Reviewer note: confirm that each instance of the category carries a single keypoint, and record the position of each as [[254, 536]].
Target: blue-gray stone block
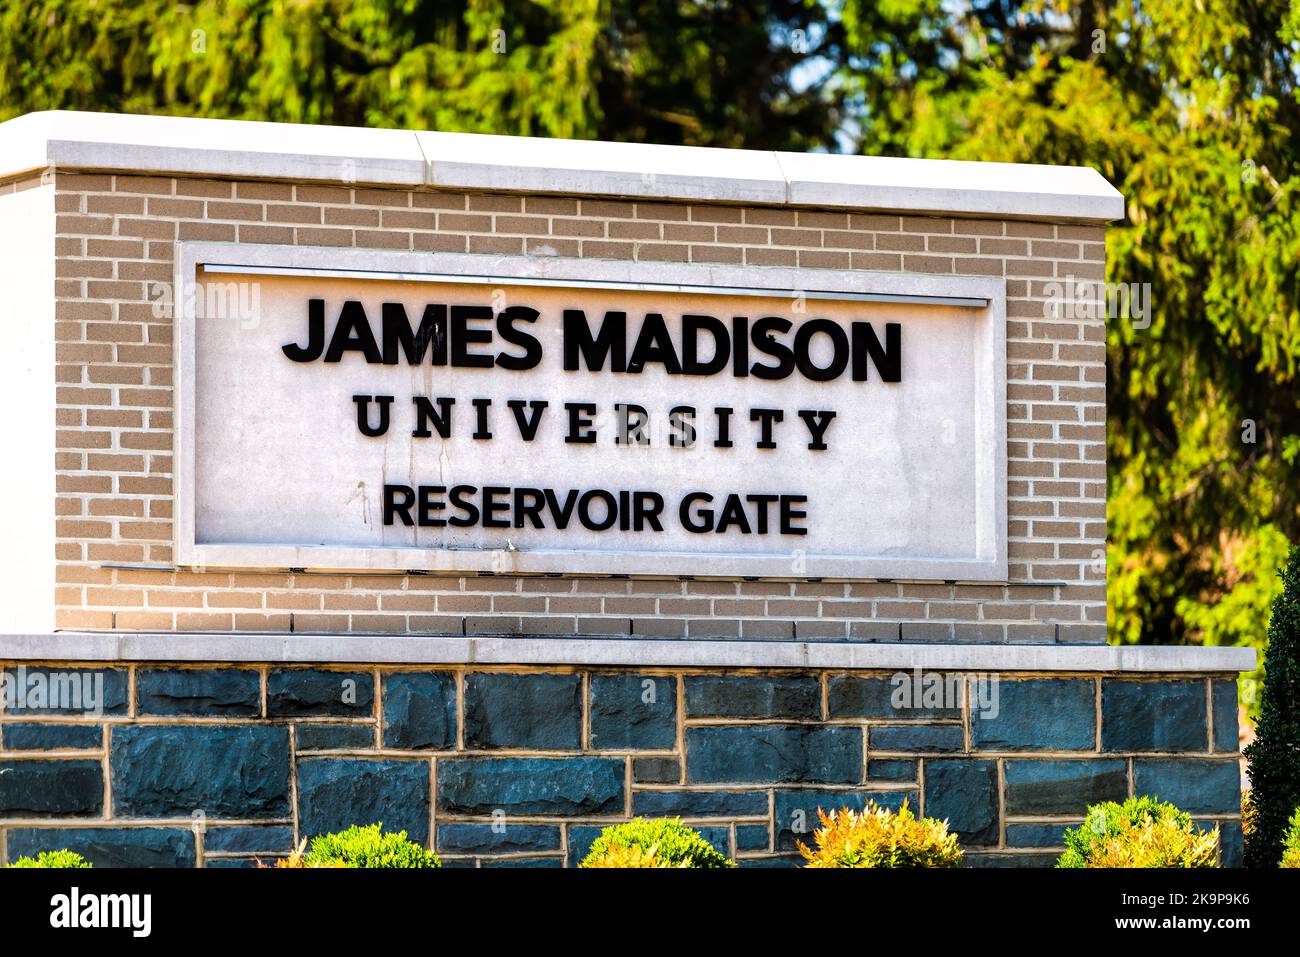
[[656, 770], [777, 754], [752, 696], [507, 838], [1037, 835], [537, 711], [334, 737], [752, 837], [905, 696], [560, 787], [719, 836], [633, 712], [109, 846], [225, 771], [51, 788], [1039, 714], [1153, 715], [699, 803], [1197, 786], [205, 692], [581, 837], [64, 691], [891, 770], [782, 861], [796, 811], [336, 793], [420, 710], [314, 692], [1064, 786], [1231, 849], [916, 738], [965, 794], [271, 839], [228, 863], [52, 737], [1226, 738]]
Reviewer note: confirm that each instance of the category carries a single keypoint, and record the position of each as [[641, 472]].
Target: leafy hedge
[[877, 837], [1141, 832], [63, 859], [653, 842], [361, 847]]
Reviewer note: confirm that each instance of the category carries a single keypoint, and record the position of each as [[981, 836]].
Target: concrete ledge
[[634, 652], [349, 155]]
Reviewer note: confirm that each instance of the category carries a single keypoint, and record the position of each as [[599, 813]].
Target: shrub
[[1291, 843], [1141, 832], [877, 837], [53, 859], [653, 842], [361, 847], [1274, 757]]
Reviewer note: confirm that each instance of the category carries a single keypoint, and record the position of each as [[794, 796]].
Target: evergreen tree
[[1274, 757]]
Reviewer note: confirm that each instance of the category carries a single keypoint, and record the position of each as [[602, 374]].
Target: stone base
[[219, 764]]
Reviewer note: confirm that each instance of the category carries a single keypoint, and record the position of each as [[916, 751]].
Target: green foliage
[[653, 842], [1273, 759], [717, 74], [877, 837], [362, 847], [61, 859], [1141, 832], [1199, 127], [1291, 842], [1191, 110]]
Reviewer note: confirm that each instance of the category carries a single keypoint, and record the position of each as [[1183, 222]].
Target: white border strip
[[988, 565], [228, 269], [616, 651], [190, 146]]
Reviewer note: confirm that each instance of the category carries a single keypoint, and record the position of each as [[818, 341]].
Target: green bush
[[877, 837], [1291, 843], [653, 842], [1141, 832], [53, 859], [361, 847], [1273, 760]]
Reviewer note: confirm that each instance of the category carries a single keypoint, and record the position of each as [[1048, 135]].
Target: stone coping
[[633, 652], [471, 161]]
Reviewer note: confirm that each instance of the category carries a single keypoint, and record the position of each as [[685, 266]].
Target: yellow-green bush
[[361, 847], [653, 842], [1291, 842], [52, 859], [878, 837], [1141, 832]]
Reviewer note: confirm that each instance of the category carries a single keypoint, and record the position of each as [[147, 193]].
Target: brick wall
[[220, 765], [116, 235]]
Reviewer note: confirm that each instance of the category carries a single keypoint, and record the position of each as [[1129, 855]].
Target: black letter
[[507, 331], [424, 411], [353, 334], [401, 509], [527, 427], [611, 343], [888, 361], [363, 413], [315, 334], [818, 422]]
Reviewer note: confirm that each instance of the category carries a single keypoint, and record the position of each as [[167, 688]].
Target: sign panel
[[490, 414]]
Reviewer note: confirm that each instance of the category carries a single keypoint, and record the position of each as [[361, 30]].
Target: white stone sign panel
[[352, 410]]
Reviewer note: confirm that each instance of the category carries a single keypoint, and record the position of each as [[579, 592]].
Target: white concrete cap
[[335, 154], [631, 652]]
